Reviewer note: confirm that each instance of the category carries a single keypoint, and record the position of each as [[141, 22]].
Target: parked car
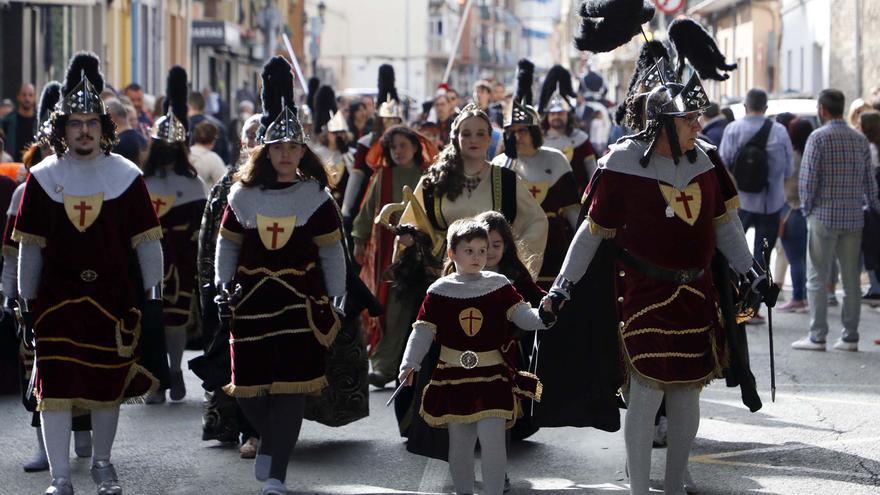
[[802, 107]]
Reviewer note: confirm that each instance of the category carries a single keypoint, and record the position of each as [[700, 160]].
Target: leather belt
[[470, 359], [680, 277]]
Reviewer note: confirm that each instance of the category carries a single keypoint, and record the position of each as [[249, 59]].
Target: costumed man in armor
[[462, 184], [89, 250], [280, 265], [38, 149], [653, 218], [557, 106], [222, 419], [331, 147], [544, 171], [390, 113], [178, 196], [406, 156]]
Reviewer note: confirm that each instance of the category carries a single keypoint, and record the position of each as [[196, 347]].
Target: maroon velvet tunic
[[283, 322], [479, 324], [180, 231], [671, 333], [87, 321]]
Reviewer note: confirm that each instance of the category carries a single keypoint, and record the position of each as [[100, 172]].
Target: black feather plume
[[696, 45], [277, 84], [325, 107], [651, 53], [176, 93], [83, 61], [386, 85], [558, 78], [608, 24], [525, 76], [48, 99], [314, 84]]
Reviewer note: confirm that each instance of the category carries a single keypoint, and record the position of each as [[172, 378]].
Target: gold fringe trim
[[25, 238], [466, 418], [49, 404], [721, 219], [248, 391], [476, 379], [257, 338], [122, 350], [327, 239], [732, 204], [511, 309], [665, 332], [77, 344], [668, 300], [683, 355], [231, 236], [327, 339], [10, 251], [180, 228], [599, 230], [152, 234], [539, 389], [428, 324]]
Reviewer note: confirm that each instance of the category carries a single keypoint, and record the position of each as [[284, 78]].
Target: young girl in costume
[[281, 246], [475, 389], [178, 196]]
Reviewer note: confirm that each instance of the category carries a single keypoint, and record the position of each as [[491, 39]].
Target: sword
[[399, 388], [770, 323]]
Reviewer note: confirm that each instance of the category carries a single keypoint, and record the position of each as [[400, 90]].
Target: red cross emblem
[[471, 320]]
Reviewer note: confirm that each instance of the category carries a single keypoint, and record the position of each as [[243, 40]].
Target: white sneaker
[[807, 344], [842, 345]]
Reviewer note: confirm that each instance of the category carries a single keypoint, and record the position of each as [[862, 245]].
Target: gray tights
[[56, 434], [683, 413], [278, 419], [493, 455]]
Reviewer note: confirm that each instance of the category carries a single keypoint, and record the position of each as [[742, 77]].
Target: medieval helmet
[[521, 109], [389, 101], [557, 94], [48, 100], [173, 126], [83, 84], [280, 119]]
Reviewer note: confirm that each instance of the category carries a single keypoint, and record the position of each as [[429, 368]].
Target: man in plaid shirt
[[836, 181]]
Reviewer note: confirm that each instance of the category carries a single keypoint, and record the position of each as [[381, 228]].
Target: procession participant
[[475, 390], [462, 184], [178, 196], [406, 155], [331, 147], [657, 191], [503, 257], [390, 113], [89, 244], [222, 419], [557, 106], [280, 260], [545, 172], [38, 149]]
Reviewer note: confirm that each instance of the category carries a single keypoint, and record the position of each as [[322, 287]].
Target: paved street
[[822, 436]]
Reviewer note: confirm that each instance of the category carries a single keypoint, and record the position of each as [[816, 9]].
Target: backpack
[[750, 167]]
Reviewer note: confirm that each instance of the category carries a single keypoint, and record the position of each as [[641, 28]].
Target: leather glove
[[548, 317], [760, 283], [25, 319]]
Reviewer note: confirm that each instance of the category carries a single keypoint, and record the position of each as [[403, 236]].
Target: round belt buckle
[[88, 275], [469, 360]]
